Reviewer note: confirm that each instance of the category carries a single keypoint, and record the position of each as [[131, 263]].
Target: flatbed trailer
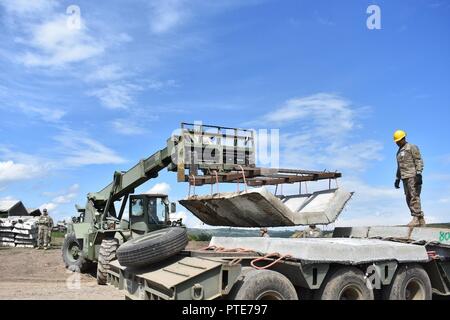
[[361, 263]]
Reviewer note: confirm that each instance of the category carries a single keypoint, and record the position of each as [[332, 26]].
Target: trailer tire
[[106, 254], [262, 285], [152, 247], [346, 283], [73, 255], [411, 282]]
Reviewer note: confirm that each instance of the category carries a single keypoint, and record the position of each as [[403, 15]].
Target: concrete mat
[[326, 250], [260, 208]]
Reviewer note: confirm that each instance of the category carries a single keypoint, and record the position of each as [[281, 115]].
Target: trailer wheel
[[262, 285], [152, 247], [345, 283], [73, 254], [411, 282], [106, 255]]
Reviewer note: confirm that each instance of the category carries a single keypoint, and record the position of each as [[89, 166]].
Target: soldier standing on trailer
[[410, 167]]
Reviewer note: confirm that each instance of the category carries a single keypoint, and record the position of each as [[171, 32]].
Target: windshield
[[156, 211], [137, 207]]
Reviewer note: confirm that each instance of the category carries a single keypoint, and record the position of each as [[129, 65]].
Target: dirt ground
[[38, 274]]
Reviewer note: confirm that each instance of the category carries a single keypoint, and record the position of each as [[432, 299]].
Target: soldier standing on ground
[[410, 167], [263, 233], [312, 232], [45, 223]]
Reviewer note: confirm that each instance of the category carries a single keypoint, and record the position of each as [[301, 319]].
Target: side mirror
[[173, 207]]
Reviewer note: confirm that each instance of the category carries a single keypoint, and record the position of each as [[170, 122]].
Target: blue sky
[[78, 104]]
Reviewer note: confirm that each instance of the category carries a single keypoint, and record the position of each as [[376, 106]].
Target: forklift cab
[[149, 212]]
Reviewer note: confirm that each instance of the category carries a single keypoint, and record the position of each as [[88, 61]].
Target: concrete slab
[[438, 235], [260, 208], [328, 250]]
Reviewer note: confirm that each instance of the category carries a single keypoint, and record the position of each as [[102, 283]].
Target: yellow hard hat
[[399, 135]]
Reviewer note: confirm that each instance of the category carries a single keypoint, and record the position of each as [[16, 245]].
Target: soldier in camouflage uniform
[[410, 168], [312, 232], [263, 232], [45, 223]]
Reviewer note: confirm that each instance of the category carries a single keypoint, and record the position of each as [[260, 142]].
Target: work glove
[[419, 180], [397, 184]]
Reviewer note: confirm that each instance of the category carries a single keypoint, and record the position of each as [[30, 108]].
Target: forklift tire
[[346, 283], [73, 255], [262, 285], [152, 247], [106, 255], [411, 282]]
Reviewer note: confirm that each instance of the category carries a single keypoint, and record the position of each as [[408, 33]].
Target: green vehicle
[[94, 238], [99, 230]]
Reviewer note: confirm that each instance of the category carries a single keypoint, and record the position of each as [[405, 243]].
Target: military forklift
[[91, 240], [95, 235]]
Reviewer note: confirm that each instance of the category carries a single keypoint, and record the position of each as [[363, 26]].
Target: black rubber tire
[[152, 247], [345, 283], [262, 285], [106, 254], [75, 264], [411, 282]]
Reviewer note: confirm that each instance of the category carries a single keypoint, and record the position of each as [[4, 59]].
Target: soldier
[[45, 223], [312, 232], [264, 233], [410, 167]]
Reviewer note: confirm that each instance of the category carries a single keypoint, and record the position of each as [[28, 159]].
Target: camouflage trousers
[[43, 236], [412, 192]]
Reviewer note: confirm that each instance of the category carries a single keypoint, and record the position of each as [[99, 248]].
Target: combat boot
[[422, 221], [414, 222]]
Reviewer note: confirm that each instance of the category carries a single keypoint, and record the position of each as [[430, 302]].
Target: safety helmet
[[399, 135]]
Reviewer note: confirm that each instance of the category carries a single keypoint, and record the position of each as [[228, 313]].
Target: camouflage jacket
[[46, 221], [409, 161], [313, 233]]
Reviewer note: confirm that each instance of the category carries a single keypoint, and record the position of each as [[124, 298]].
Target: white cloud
[[126, 127], [27, 7], [66, 197], [18, 166], [49, 206], [159, 188], [137, 122], [7, 202], [321, 134], [55, 44], [116, 96], [327, 113], [169, 15], [12, 171], [166, 15], [110, 72], [45, 114], [78, 149]]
